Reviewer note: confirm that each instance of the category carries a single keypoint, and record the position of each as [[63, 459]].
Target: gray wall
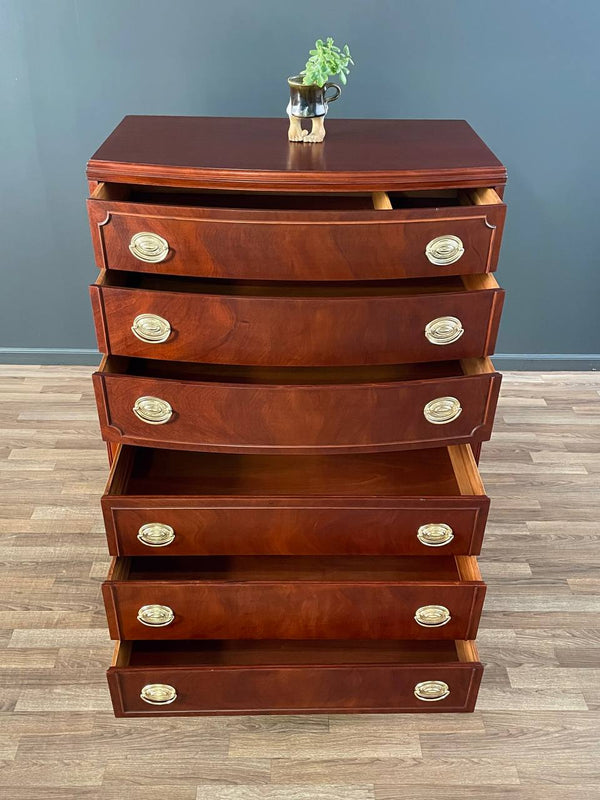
[[524, 73]]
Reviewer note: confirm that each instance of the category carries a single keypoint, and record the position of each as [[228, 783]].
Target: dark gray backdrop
[[524, 73]]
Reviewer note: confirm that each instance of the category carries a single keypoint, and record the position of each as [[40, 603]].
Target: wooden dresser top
[[254, 153]]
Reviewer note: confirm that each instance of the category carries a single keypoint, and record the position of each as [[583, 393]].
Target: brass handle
[[155, 616], [432, 690], [152, 410], [435, 534], [158, 694], [432, 616], [149, 247], [444, 330], [444, 250], [151, 328], [156, 534], [442, 410]]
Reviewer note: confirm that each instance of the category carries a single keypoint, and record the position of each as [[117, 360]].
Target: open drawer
[[293, 597], [172, 502], [254, 236], [300, 410], [300, 324], [290, 677]]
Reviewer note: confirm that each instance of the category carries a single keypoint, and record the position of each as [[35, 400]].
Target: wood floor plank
[[193, 767], [399, 724], [522, 743], [519, 792], [107, 791], [59, 637], [85, 697], [340, 745], [41, 772], [435, 772], [298, 792], [98, 747], [530, 700]]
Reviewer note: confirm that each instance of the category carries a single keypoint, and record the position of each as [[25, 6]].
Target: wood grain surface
[[285, 411], [254, 243], [301, 326], [358, 154], [259, 597], [534, 735]]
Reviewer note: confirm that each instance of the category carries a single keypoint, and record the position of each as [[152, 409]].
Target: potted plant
[[308, 90]]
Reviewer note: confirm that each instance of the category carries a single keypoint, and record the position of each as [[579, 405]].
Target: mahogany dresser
[[295, 389]]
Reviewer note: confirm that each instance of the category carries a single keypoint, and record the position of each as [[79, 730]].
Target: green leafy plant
[[326, 61]]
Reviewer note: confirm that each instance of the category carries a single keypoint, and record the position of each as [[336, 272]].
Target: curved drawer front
[[269, 610], [290, 528], [297, 331], [294, 245], [288, 688], [263, 418]]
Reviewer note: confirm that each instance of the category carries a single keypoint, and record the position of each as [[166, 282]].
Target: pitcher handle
[[338, 92]]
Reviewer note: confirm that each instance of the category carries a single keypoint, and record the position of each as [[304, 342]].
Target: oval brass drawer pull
[[151, 328], [155, 616], [149, 247], [432, 690], [158, 694], [444, 250], [152, 410], [435, 534], [432, 616], [442, 410], [444, 330], [156, 534]]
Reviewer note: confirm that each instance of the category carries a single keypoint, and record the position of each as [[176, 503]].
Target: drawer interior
[[451, 197], [435, 472], [286, 201], [166, 283], [292, 569], [400, 288], [293, 376], [192, 653], [216, 198]]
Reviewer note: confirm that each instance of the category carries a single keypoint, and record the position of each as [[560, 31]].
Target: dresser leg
[[476, 448]]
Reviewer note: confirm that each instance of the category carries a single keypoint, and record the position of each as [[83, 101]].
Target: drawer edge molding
[[100, 171]]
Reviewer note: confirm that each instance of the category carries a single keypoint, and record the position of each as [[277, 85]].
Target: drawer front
[[296, 245], [260, 418], [270, 610], [289, 689], [244, 527], [296, 331]]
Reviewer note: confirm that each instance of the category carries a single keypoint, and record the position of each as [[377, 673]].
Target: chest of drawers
[[295, 387]]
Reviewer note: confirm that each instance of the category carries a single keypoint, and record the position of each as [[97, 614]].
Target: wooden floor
[[536, 731]]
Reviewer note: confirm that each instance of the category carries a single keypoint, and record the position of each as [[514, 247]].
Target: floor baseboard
[[548, 362], [64, 356]]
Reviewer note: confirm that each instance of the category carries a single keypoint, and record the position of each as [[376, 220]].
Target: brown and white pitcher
[[308, 102]]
